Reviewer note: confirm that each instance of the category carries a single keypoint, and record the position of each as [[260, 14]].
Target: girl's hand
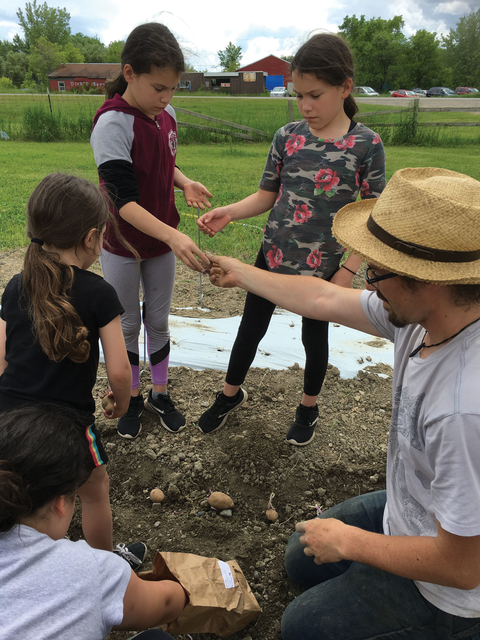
[[112, 411], [214, 221], [196, 195], [187, 251]]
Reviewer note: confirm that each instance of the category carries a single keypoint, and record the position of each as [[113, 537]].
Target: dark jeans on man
[[152, 634], [352, 601]]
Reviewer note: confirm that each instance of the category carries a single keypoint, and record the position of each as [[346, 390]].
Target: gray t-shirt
[[433, 470], [58, 589]]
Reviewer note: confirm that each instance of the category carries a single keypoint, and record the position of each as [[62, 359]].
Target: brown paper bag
[[221, 600]]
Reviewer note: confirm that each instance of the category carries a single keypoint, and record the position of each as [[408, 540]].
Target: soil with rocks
[[248, 459]]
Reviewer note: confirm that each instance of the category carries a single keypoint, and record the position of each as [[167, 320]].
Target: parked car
[[419, 92], [279, 92], [439, 91], [367, 91], [460, 90], [403, 93]]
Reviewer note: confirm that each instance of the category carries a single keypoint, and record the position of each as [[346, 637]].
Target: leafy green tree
[[230, 57], [92, 49], [6, 83], [42, 21], [47, 56], [5, 47], [420, 64], [462, 51], [288, 57], [114, 51], [28, 81], [15, 67], [376, 45]]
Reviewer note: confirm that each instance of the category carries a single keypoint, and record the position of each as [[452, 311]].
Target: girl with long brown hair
[[52, 317]]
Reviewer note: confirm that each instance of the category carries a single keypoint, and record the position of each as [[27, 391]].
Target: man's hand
[[196, 195], [322, 538], [224, 271]]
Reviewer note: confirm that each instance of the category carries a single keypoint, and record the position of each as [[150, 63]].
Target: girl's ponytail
[[47, 283], [350, 106], [61, 211], [117, 85]]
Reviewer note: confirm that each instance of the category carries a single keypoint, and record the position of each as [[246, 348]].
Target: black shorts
[[97, 450]]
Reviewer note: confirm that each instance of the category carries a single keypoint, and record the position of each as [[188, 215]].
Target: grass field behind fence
[[69, 117], [230, 172]]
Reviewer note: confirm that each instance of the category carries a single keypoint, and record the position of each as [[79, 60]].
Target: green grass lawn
[[69, 117], [230, 172]]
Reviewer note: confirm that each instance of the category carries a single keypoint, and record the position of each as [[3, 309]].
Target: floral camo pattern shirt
[[315, 178]]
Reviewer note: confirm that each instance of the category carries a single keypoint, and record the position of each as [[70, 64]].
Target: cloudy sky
[[260, 28]]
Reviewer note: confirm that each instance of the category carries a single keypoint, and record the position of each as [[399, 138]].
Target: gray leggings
[[157, 277]]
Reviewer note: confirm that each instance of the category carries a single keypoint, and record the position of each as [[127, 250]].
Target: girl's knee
[[97, 485]]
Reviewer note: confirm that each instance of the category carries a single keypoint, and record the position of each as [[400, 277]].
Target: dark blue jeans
[[152, 634], [351, 601]]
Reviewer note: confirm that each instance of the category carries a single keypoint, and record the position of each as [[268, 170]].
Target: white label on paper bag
[[227, 575]]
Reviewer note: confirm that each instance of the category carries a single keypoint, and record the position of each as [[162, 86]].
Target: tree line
[[385, 58]]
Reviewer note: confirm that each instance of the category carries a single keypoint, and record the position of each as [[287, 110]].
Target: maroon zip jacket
[[135, 157]]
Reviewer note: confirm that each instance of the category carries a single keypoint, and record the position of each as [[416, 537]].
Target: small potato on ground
[[220, 501], [157, 495], [272, 515]]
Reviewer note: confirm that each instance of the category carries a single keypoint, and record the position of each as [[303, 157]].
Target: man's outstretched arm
[[309, 297]]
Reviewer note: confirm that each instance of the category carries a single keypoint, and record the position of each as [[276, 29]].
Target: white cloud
[[453, 8]]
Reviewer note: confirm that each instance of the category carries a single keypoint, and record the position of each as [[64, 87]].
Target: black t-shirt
[[30, 376]]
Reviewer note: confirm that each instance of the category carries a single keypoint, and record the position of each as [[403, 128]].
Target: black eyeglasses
[[371, 277]]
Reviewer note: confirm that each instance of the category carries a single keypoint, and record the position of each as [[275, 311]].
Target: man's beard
[[392, 316]]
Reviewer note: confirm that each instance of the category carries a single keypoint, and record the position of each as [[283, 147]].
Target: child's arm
[[251, 206], [194, 192], [344, 277], [181, 245], [149, 604], [119, 372], [3, 342]]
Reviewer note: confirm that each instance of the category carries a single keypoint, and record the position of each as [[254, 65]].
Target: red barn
[[69, 76], [272, 65]]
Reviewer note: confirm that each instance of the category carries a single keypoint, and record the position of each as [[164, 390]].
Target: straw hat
[[425, 225]]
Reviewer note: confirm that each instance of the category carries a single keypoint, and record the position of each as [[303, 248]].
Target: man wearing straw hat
[[402, 563]]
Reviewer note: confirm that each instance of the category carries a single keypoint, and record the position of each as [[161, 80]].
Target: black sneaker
[[134, 554], [163, 406], [215, 417], [302, 431], [128, 426]]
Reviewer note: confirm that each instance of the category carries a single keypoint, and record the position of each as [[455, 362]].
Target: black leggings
[[256, 318]]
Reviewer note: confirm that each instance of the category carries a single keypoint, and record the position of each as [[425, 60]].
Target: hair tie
[[344, 267], [37, 240]]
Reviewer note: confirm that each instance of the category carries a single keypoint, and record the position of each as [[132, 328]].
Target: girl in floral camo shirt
[[314, 168]]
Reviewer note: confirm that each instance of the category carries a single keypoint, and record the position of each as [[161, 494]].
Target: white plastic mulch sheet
[[200, 343]]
